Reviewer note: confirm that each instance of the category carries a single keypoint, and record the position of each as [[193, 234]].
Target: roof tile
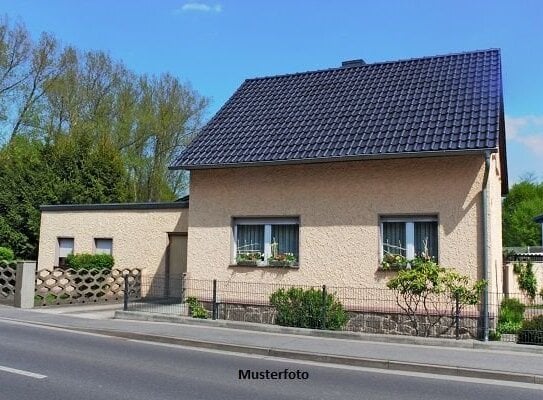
[[441, 103]]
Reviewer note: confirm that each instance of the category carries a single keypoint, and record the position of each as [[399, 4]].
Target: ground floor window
[[409, 236], [266, 241], [65, 246], [103, 246]]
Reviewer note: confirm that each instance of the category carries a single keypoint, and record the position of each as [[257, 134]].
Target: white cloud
[[198, 7], [527, 130]]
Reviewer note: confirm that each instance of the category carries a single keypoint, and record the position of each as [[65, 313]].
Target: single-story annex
[[316, 177]]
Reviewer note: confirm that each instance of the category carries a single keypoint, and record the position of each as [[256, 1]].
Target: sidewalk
[[480, 363]]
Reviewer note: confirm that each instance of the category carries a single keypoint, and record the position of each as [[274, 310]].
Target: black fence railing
[[372, 310]]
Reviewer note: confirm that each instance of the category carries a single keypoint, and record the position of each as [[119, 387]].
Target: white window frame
[[57, 255], [102, 238], [409, 232], [267, 222]]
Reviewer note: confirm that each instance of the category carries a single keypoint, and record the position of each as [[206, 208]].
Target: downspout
[[485, 246]]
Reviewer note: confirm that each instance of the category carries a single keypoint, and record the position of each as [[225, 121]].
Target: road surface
[[46, 363]]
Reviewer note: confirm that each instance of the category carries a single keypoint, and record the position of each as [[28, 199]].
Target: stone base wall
[[386, 323], [401, 324]]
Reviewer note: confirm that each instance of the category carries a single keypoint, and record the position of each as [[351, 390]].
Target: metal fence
[[524, 249], [370, 310]]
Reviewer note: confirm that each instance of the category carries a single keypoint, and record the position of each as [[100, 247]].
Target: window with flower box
[[404, 238], [266, 241]]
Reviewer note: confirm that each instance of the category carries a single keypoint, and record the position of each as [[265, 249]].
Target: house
[[314, 177], [150, 236], [333, 169]]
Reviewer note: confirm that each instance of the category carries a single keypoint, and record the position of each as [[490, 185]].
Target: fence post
[[457, 316], [125, 305], [214, 306], [323, 309], [25, 284], [183, 277]]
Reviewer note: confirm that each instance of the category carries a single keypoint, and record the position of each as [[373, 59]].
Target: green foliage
[[523, 202], [90, 261], [425, 285], [306, 308], [494, 335], [196, 309], [427, 277], [393, 261], [527, 282], [71, 170], [82, 128], [508, 327], [531, 331], [249, 257], [6, 254], [511, 310]]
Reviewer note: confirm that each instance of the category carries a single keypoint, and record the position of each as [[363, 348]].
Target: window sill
[[296, 266]]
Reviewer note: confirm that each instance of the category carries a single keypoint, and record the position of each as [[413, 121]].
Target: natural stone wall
[[360, 321], [400, 324]]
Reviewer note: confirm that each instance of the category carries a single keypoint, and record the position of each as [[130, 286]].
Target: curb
[[366, 337], [307, 356]]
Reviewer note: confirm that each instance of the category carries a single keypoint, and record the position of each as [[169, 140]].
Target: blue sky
[[215, 45]]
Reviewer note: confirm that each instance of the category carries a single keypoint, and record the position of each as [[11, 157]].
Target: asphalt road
[[43, 363]]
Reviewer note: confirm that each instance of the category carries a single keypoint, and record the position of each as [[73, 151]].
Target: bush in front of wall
[[305, 309], [510, 316], [531, 331], [6, 254], [196, 309], [90, 261]]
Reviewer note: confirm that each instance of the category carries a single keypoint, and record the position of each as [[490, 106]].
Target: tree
[[523, 202], [79, 127], [72, 170], [427, 293]]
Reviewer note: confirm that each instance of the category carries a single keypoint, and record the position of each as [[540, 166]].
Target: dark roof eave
[[539, 219], [425, 154], [115, 206]]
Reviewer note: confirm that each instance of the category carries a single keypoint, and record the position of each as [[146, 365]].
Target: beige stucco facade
[[140, 237], [339, 206]]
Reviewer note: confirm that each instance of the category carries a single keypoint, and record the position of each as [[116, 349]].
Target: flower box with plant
[[249, 259], [393, 261], [282, 260]]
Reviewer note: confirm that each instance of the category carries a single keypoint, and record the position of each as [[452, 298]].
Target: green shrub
[[89, 261], [510, 316], [508, 327], [305, 309], [196, 309], [527, 282], [511, 310], [6, 254], [494, 335], [531, 331]]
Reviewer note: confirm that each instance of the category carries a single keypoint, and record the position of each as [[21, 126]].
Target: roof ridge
[[316, 71]]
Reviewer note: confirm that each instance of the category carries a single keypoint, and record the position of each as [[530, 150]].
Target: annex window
[[409, 236], [65, 247], [103, 246], [266, 241]]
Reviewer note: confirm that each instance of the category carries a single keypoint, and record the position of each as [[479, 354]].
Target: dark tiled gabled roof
[[423, 106]]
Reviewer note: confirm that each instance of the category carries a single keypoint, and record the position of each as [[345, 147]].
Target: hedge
[[89, 261], [6, 254]]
